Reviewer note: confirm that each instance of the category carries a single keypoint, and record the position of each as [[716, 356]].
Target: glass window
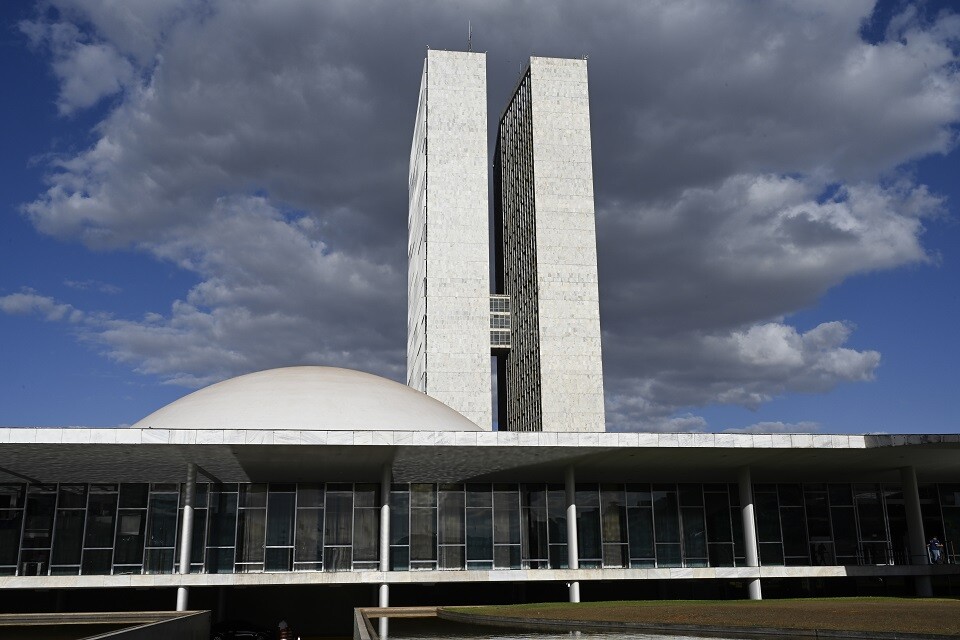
[[506, 514], [717, 510], [365, 529], [558, 556], [72, 496], [721, 555], [790, 495], [844, 533], [223, 521], [337, 559], [640, 525], [614, 513], [666, 520], [309, 495], [161, 561], [694, 533], [479, 534], [691, 495], [794, 533], [506, 556], [253, 495], [400, 517], [220, 560], [451, 557], [132, 496], [129, 547], [478, 495], [588, 532], [949, 495], [10, 524], [39, 521], [101, 512], [556, 516], [68, 537], [768, 517], [870, 512], [400, 558], [309, 539], [278, 559], [423, 534], [11, 496], [250, 535], [668, 555], [366, 495], [97, 561], [338, 523], [771, 553], [423, 495], [162, 520], [638, 495], [34, 562], [280, 519], [451, 517], [840, 494], [197, 542]]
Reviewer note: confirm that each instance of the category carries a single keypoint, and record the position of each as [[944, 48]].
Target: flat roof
[[161, 455]]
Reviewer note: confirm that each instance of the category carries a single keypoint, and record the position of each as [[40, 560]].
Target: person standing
[[935, 550]]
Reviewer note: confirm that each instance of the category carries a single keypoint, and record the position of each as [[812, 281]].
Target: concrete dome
[[308, 398]]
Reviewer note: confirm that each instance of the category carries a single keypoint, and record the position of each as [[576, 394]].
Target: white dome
[[308, 398]]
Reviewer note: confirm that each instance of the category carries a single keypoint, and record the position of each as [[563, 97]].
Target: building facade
[[541, 319], [551, 377], [448, 308]]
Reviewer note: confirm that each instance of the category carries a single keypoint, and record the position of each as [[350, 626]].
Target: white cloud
[[778, 427], [746, 368], [87, 71], [29, 302], [747, 160], [93, 285]]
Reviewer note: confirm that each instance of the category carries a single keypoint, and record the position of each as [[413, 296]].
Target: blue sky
[[199, 189]]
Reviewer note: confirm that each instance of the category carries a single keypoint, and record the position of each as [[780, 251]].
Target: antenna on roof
[[469, 36]]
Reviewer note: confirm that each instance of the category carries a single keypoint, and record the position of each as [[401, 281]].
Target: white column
[[915, 533], [384, 594], [573, 552], [186, 532], [749, 529]]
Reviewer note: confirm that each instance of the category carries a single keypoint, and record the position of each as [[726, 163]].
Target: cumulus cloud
[[87, 71], [29, 302], [747, 159], [758, 364]]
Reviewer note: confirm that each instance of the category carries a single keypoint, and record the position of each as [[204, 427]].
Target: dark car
[[240, 630]]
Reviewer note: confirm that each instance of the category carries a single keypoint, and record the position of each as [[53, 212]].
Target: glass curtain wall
[[98, 529]]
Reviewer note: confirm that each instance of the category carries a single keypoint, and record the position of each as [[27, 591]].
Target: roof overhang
[[152, 455]]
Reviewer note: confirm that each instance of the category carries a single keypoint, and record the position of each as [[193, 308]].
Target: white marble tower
[[448, 336], [542, 321], [551, 379]]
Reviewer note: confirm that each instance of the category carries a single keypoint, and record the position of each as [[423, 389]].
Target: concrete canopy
[[155, 455], [308, 398]]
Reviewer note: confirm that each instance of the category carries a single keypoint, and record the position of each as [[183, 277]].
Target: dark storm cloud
[[739, 150]]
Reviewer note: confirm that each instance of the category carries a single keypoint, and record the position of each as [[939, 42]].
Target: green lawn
[[900, 615]]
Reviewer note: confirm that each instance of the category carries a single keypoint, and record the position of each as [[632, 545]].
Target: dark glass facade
[[98, 529]]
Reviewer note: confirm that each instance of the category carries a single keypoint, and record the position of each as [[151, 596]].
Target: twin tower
[[541, 318]]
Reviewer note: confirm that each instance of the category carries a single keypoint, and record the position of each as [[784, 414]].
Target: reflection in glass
[[309, 539], [68, 538], [100, 522], [162, 520], [250, 532], [280, 520]]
